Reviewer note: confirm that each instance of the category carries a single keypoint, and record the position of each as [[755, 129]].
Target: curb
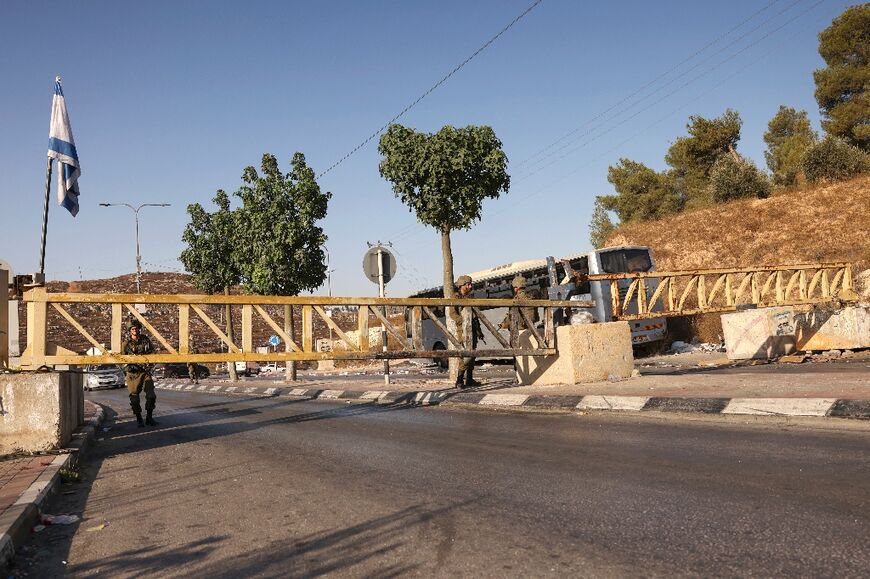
[[818, 407], [17, 521]]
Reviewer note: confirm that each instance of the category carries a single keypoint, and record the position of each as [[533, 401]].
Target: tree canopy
[[642, 193], [444, 177], [280, 249], [735, 178], [691, 158], [600, 226], [788, 137], [210, 256], [842, 87]]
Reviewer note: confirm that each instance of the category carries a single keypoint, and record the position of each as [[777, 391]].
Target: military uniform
[[191, 372], [138, 378], [519, 284], [466, 364]]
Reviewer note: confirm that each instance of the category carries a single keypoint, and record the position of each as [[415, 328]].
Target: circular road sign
[[274, 340], [388, 263]]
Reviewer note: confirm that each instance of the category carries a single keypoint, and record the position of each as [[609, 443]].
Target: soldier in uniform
[[466, 365], [520, 293], [138, 376], [191, 373]]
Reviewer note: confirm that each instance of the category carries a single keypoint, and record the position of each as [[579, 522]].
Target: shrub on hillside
[[834, 160], [734, 178]]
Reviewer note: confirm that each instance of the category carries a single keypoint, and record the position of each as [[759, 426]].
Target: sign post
[[379, 265]]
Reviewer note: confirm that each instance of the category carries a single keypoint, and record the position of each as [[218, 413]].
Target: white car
[[103, 376], [271, 368]]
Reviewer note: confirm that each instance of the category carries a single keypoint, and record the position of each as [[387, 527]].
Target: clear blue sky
[[169, 101]]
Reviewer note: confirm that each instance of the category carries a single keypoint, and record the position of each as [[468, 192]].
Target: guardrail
[[41, 351], [688, 292]]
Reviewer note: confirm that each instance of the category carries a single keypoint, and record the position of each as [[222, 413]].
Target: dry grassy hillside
[[829, 223], [822, 224]]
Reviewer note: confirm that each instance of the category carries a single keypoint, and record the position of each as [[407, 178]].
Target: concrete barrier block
[[586, 353], [760, 333], [824, 329], [39, 412]]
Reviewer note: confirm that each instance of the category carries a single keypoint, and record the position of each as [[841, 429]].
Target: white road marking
[[298, 392], [331, 394], [612, 403], [504, 399], [373, 395], [780, 406]]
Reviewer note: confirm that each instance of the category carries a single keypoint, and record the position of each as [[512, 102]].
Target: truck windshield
[[625, 261]]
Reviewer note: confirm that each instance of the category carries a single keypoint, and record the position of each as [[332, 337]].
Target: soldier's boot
[[469, 379], [149, 420], [460, 382], [136, 405]]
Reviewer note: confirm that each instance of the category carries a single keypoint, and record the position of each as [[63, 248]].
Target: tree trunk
[[447, 257], [288, 329], [231, 366], [449, 292]]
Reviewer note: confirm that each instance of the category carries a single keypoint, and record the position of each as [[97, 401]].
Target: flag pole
[[45, 216]]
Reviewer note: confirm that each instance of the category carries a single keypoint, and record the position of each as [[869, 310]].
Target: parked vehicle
[[271, 368], [163, 371], [496, 283], [247, 368], [103, 376]]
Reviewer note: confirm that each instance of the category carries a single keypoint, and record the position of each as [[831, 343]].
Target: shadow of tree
[[372, 548]]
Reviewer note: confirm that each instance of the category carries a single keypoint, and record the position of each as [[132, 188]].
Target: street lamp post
[[136, 218], [329, 291]]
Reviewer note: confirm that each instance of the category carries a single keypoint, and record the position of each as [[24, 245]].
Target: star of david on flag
[[62, 147]]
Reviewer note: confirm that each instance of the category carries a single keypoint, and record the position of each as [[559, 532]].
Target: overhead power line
[[542, 155], [648, 84], [515, 200], [435, 86], [529, 171]]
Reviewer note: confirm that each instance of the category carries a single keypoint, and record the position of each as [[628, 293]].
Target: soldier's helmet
[[518, 282], [462, 280], [135, 324]]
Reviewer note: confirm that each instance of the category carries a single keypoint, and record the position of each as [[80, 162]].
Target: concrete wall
[[822, 329], [772, 332], [760, 333], [586, 353], [39, 411]]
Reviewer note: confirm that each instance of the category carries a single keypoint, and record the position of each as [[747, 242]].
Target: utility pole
[[136, 218]]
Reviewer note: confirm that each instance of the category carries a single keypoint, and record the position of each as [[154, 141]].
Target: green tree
[[600, 227], [281, 249], [642, 194], [691, 158], [788, 137], [834, 159], [843, 88], [281, 246], [735, 178], [210, 256], [444, 178]]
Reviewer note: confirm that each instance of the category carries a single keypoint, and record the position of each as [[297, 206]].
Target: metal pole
[[329, 290], [45, 216], [138, 258], [384, 329]]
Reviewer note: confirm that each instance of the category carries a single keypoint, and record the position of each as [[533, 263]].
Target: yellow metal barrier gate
[[41, 351], [657, 294]]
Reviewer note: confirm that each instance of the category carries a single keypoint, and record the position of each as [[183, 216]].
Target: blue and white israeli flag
[[62, 146]]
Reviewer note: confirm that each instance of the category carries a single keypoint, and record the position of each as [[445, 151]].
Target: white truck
[[496, 283]]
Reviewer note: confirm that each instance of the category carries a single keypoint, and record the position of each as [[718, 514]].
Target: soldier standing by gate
[[520, 293], [466, 365], [138, 376]]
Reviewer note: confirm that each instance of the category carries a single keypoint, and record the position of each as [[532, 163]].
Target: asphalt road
[[238, 487]]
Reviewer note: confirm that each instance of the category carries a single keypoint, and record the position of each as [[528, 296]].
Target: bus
[[496, 283]]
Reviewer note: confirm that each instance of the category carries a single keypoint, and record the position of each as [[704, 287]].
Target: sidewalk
[[25, 483], [697, 382]]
